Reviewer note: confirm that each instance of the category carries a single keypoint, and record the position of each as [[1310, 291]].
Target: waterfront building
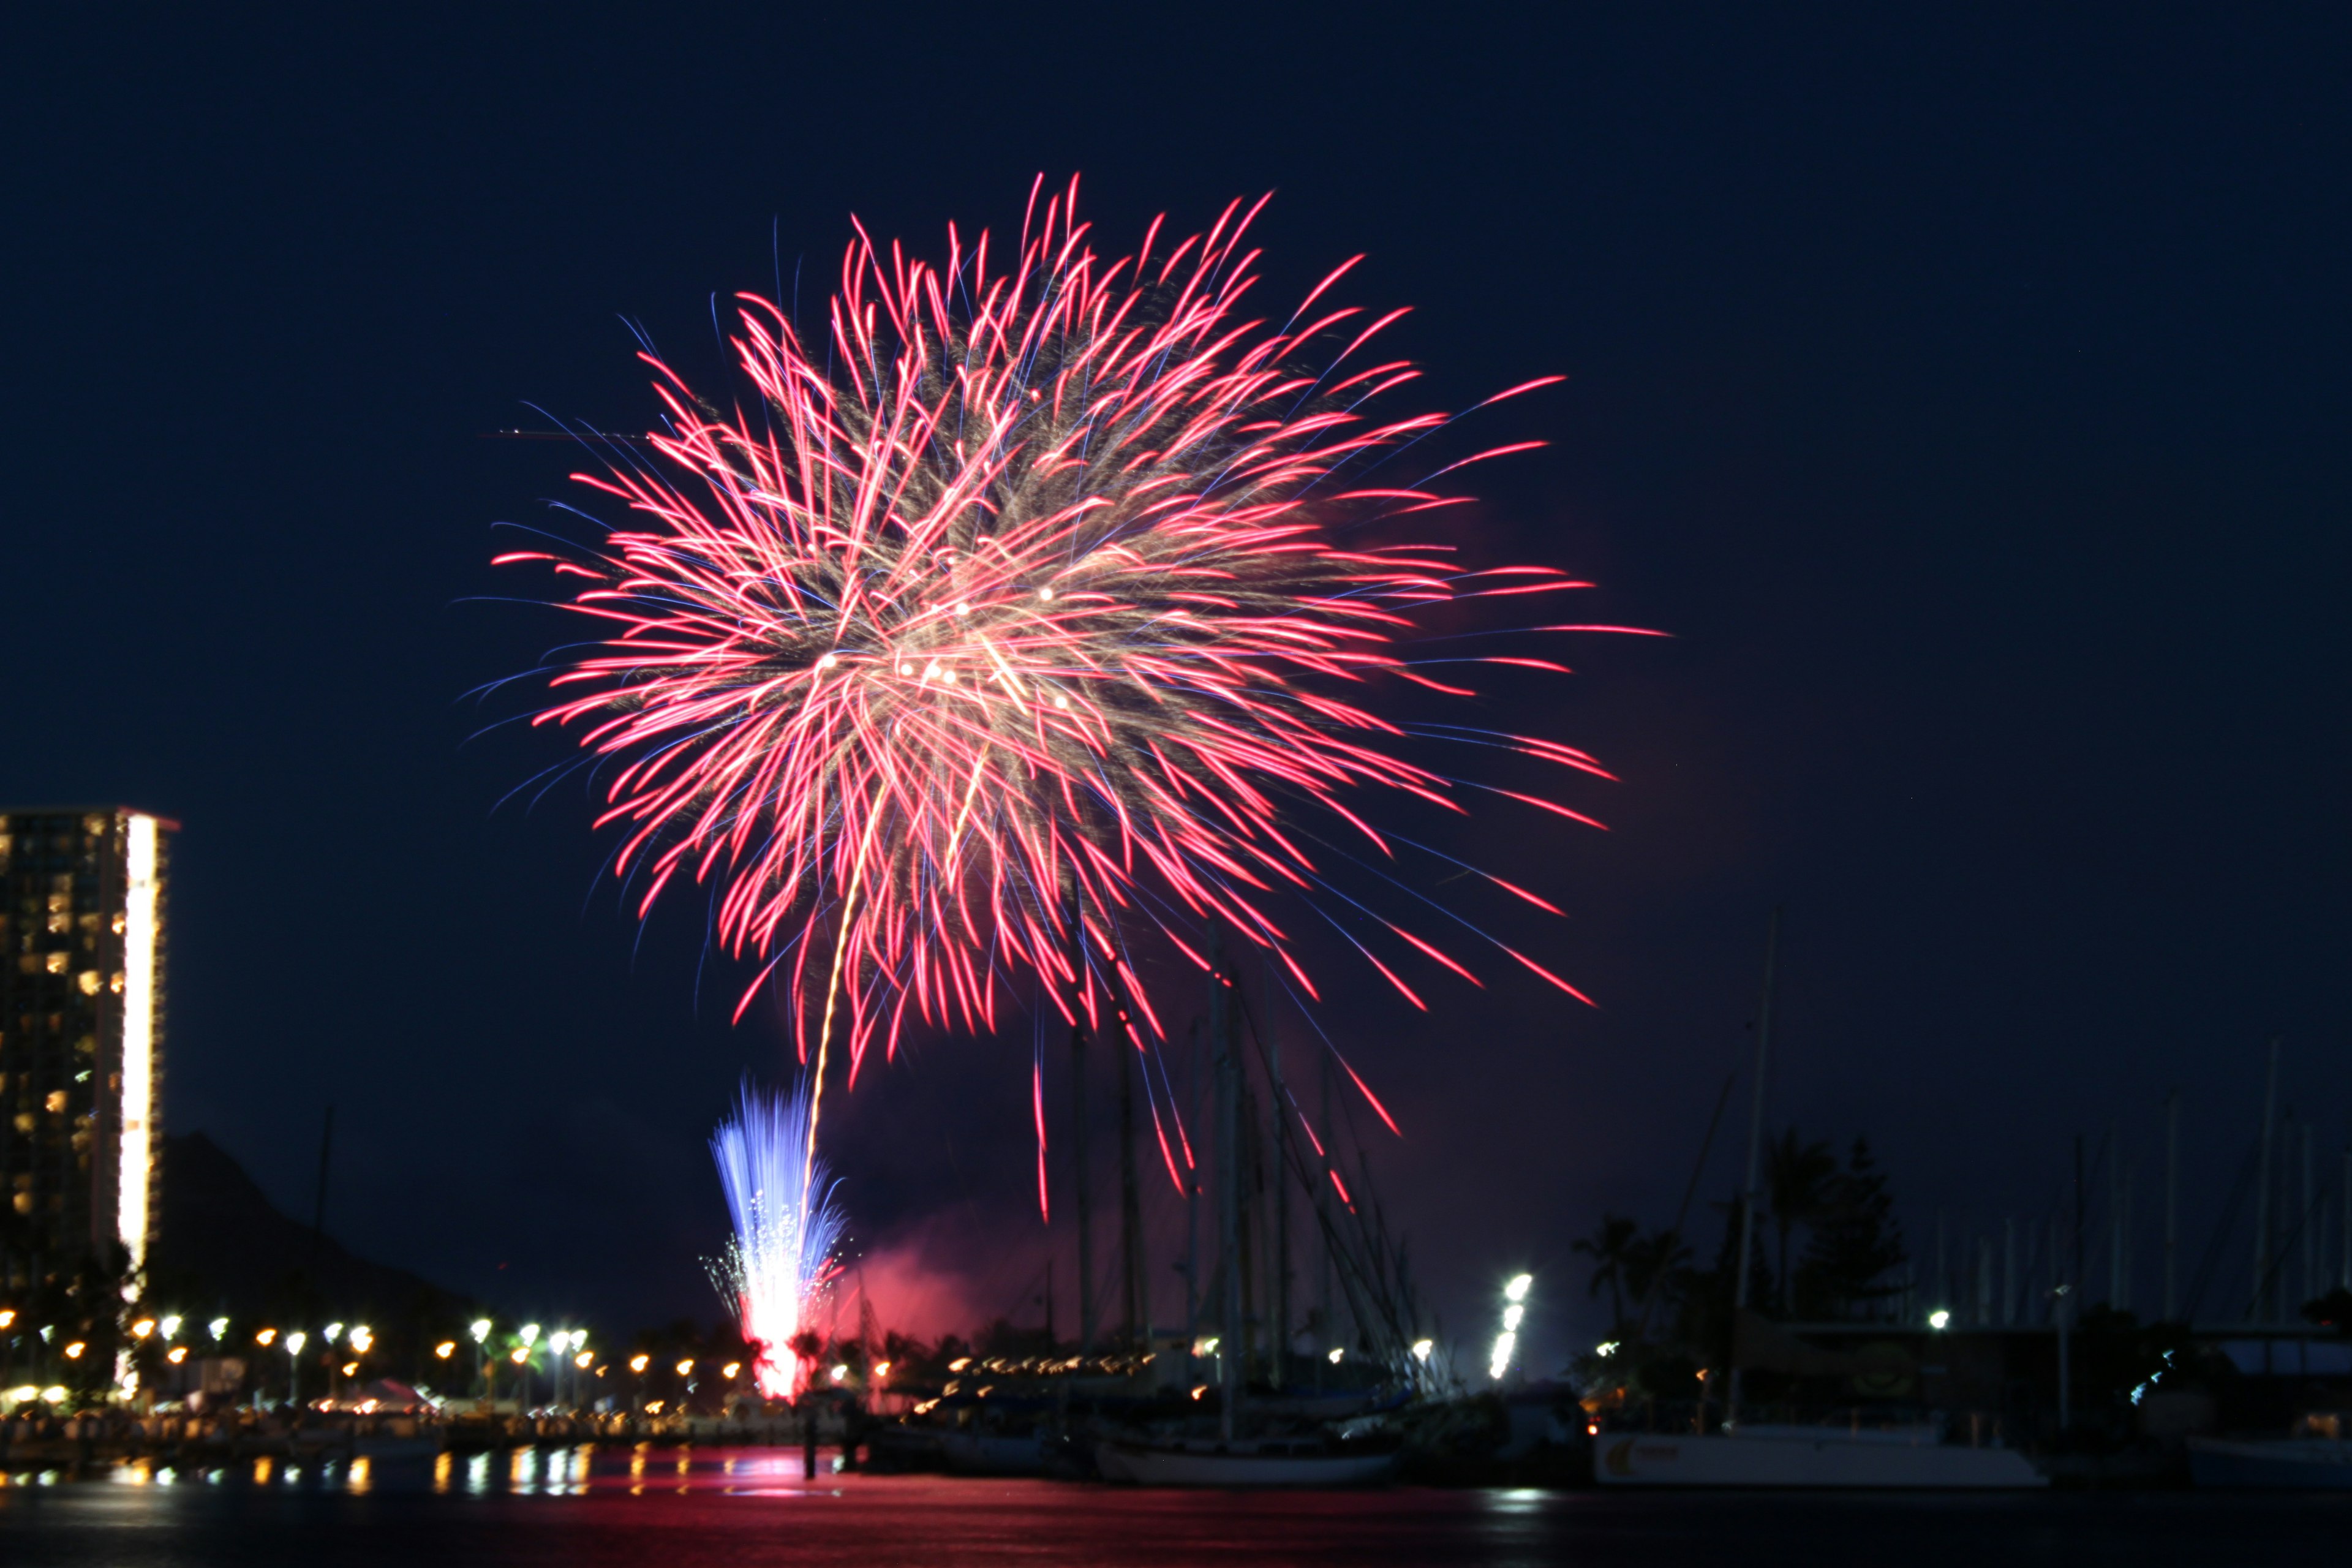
[[84, 912]]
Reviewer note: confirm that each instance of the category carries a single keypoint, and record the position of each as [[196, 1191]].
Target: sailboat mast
[[2171, 1205], [1083, 1214], [1130, 1204], [1323, 1220], [1230, 1329], [1279, 1125], [2258, 1310], [1192, 1206], [1755, 1159]]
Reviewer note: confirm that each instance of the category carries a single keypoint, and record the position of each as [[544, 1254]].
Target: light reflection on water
[[702, 1508], [572, 1471]]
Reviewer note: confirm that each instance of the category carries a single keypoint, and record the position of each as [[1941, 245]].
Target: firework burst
[[786, 1228], [1026, 616]]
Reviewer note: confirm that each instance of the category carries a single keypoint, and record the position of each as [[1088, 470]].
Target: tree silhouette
[[1856, 1243], [1799, 1182], [1652, 1263], [1612, 1250]]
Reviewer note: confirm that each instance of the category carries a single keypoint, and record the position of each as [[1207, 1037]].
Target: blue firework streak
[[786, 1228]]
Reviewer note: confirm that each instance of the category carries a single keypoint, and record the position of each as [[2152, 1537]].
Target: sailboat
[[1776, 1455], [2297, 1464], [1749, 1454], [1287, 1449], [1306, 1460]]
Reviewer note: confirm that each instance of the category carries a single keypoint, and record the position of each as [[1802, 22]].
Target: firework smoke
[[785, 1229]]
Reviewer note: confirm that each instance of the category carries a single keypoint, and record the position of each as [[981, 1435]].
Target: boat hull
[[1621, 1459], [2283, 1464], [992, 1454], [1150, 1466]]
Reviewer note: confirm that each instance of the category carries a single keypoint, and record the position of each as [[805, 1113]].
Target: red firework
[[1014, 623]]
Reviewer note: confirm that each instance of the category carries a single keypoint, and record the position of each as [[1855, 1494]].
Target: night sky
[[1967, 398]]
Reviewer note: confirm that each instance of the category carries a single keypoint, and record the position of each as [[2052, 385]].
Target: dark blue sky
[[1966, 396]]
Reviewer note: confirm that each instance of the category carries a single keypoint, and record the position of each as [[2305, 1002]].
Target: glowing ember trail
[[1023, 619], [785, 1230]]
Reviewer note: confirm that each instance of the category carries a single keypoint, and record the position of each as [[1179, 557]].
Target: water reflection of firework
[[785, 1228]]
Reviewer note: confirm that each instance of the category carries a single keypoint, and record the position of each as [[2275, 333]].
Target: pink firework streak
[[1017, 623]]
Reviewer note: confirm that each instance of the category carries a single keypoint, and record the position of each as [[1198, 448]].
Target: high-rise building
[[83, 915]]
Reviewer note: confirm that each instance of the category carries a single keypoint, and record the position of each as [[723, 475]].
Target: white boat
[[994, 1453], [2305, 1464], [1263, 1462], [1806, 1457]]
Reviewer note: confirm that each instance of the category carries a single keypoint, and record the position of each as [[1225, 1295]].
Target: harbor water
[[742, 1508]]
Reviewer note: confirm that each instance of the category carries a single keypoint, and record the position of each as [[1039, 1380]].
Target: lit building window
[[79, 1144]]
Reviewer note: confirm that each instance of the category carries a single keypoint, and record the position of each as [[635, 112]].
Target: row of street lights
[[567, 1351], [570, 1365]]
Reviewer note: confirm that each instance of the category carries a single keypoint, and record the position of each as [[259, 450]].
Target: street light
[[1515, 1312], [557, 1343], [294, 1343], [481, 1329]]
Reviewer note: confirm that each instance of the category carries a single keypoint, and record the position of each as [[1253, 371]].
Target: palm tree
[[1652, 1264], [1612, 1250], [1799, 1180]]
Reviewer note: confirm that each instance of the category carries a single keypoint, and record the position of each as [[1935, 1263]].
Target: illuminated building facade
[[83, 915]]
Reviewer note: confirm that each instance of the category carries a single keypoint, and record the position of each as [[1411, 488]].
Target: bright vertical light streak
[[139, 927], [1515, 1312], [785, 1229]]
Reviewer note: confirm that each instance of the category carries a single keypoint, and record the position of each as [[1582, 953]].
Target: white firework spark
[[786, 1228]]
